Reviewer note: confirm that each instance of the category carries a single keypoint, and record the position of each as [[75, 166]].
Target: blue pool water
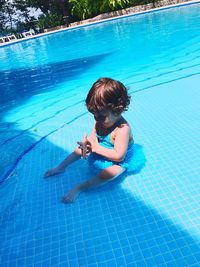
[[151, 218]]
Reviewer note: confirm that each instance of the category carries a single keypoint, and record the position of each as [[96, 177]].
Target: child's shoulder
[[123, 123], [124, 126]]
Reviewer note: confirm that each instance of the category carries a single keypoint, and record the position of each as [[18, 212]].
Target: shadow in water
[[108, 225], [19, 84], [128, 231], [13, 152], [138, 234]]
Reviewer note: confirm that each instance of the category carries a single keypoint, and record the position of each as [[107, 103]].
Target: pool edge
[[102, 21]]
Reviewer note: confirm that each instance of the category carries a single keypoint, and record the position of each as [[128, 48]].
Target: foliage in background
[[84, 9], [49, 21], [52, 10], [15, 14]]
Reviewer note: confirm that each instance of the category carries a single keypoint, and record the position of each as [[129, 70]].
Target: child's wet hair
[[107, 93]]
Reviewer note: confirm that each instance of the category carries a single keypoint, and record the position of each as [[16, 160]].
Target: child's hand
[[94, 144], [53, 171], [85, 146]]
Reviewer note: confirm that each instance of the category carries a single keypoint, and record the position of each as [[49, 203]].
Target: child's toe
[[67, 199]]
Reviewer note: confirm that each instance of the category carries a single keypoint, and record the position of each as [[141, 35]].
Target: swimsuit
[[130, 162]]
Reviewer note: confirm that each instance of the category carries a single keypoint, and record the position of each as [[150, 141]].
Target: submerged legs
[[103, 177]]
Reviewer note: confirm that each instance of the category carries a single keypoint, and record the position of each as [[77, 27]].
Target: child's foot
[[72, 195], [53, 172]]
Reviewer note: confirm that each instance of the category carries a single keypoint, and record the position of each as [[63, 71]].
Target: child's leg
[[103, 177], [74, 156]]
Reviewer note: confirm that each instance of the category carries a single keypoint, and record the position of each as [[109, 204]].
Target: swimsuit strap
[[113, 127], [104, 140]]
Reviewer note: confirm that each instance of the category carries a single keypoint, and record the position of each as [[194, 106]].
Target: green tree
[[13, 13], [44, 5], [49, 21], [110, 5], [7, 13], [84, 9], [81, 8], [52, 8], [64, 5]]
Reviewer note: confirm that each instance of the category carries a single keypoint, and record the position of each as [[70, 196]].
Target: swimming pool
[[148, 219]]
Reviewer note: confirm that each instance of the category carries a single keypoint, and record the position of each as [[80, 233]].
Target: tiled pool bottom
[[151, 218]]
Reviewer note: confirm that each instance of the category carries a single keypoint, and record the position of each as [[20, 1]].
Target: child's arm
[[84, 145], [118, 153], [74, 156], [93, 133]]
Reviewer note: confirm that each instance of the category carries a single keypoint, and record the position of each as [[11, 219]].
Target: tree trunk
[[65, 10]]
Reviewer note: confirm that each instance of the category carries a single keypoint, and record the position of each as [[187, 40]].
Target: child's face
[[106, 118]]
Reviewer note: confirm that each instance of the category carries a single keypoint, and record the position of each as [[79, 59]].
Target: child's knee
[[111, 172]]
